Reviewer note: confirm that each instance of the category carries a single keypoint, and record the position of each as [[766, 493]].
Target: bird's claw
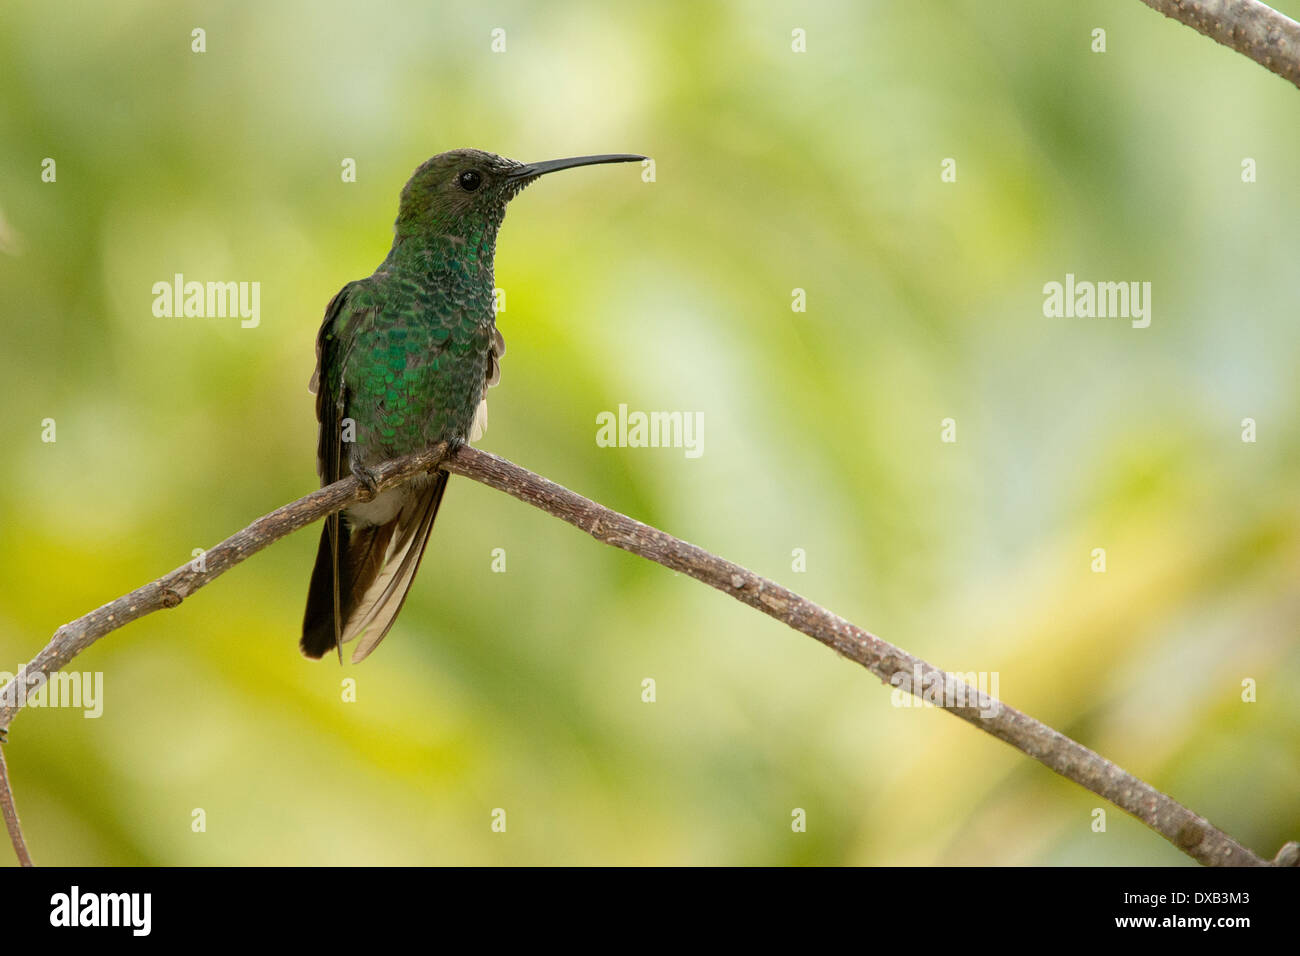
[[369, 482], [452, 445]]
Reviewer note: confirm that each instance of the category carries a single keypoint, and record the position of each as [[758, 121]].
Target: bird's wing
[[479, 425], [333, 342]]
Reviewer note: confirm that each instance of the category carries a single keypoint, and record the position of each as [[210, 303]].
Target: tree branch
[[1251, 28], [10, 813], [1189, 832]]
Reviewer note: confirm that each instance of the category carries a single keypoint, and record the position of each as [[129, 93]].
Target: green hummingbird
[[404, 359]]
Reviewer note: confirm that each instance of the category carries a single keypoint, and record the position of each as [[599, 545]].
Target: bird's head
[[466, 189]]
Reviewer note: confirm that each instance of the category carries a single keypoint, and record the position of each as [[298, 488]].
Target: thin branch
[[169, 590], [10, 813], [1189, 832], [1251, 28]]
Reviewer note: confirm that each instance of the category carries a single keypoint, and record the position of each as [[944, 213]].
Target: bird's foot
[[369, 482], [452, 445]]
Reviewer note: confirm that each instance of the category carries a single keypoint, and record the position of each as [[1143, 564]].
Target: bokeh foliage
[[775, 170]]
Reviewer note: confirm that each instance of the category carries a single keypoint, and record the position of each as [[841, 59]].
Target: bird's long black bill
[[552, 165]]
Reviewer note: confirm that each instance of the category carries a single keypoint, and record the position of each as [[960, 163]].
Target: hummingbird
[[404, 359]]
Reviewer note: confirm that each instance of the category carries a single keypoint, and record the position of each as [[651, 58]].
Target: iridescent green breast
[[417, 365]]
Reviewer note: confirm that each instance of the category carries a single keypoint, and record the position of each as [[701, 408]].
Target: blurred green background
[[774, 170]]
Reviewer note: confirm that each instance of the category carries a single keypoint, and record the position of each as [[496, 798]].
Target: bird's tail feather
[[376, 565]]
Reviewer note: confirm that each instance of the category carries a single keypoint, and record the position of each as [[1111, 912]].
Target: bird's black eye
[[469, 180]]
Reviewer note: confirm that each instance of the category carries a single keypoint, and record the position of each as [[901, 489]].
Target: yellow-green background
[[775, 170]]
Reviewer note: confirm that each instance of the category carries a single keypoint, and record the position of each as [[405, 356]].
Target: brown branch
[[1190, 833], [10, 813], [169, 590], [1251, 28]]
